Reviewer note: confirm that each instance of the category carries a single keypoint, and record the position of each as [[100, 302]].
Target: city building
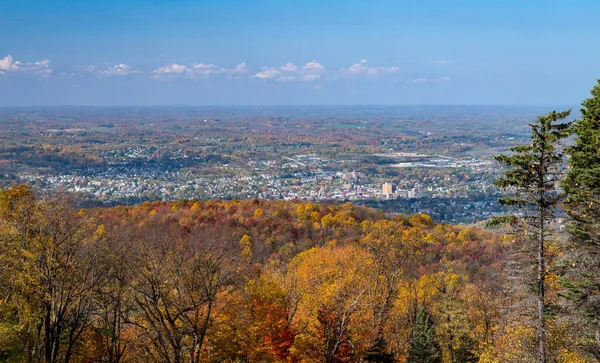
[[388, 188]]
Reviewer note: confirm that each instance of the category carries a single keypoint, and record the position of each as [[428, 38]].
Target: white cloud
[[168, 69], [236, 72], [362, 69], [309, 72], [8, 64], [313, 66], [120, 69], [116, 70], [202, 70], [268, 73], [431, 80], [289, 67], [41, 67], [240, 68], [288, 72]]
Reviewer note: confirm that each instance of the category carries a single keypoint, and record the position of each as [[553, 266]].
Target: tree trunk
[[541, 266]]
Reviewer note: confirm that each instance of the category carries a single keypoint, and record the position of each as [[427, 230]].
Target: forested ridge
[[248, 281], [276, 281], [239, 281]]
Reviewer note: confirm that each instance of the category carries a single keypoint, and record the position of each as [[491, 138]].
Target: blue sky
[[133, 52]]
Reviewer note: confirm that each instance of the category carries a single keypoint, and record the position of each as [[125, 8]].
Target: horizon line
[[294, 105]]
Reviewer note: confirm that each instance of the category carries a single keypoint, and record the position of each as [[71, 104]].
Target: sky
[[289, 52]]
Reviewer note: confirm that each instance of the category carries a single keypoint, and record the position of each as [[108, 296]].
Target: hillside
[[249, 281]]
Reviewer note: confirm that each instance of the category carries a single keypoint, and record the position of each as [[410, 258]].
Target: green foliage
[[532, 179], [424, 347], [534, 169], [379, 353], [582, 185], [49, 272], [501, 220], [465, 351]]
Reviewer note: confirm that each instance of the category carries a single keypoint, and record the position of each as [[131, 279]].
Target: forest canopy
[[251, 281]]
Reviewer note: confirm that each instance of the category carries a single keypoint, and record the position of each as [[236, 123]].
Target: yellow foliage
[[322, 275], [553, 281], [566, 356], [421, 219], [327, 220], [365, 226], [304, 211], [246, 246], [466, 235], [335, 278], [315, 216], [101, 230], [516, 345], [431, 239]]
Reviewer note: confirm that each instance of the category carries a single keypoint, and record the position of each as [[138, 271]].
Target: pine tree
[[465, 351], [424, 348], [532, 179], [582, 186], [379, 353]]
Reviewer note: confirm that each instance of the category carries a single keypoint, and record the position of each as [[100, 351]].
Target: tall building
[[388, 188]]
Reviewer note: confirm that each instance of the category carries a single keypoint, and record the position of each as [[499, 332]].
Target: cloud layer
[[362, 69], [8, 65], [198, 70], [120, 69], [312, 71], [288, 72]]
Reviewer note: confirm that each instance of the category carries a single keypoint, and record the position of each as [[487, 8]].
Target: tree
[[114, 300], [395, 261], [254, 325], [582, 185], [18, 307], [532, 180], [180, 285], [424, 348], [379, 352], [53, 271], [463, 352], [450, 309], [332, 285]]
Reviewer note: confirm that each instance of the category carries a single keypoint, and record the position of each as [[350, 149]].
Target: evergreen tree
[[465, 351], [379, 353], [532, 179], [424, 348], [582, 186]]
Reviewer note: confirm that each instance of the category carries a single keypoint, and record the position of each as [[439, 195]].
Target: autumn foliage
[[250, 281]]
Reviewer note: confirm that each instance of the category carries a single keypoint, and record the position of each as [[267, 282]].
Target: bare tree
[[180, 279]]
